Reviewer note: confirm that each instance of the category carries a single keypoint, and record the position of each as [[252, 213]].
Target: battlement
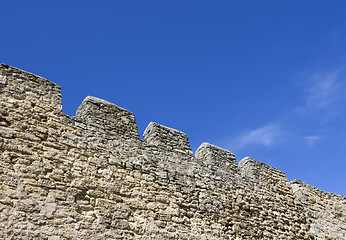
[[218, 158], [102, 115], [264, 174], [21, 85], [168, 138], [90, 176]]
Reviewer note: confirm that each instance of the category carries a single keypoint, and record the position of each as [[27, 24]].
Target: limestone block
[[6, 132]]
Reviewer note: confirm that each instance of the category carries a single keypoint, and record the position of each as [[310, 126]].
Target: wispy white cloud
[[324, 91], [311, 140], [266, 136], [323, 98]]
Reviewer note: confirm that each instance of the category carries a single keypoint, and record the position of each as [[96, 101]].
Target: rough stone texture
[[106, 120], [221, 161], [326, 211], [90, 176]]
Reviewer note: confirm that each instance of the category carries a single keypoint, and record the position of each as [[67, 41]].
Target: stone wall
[[90, 176], [326, 211]]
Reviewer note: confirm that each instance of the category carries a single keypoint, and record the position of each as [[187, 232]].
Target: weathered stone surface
[[90, 176], [217, 158], [101, 115], [325, 211], [264, 175], [165, 137]]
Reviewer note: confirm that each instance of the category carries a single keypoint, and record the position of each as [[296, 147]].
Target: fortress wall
[[90, 177]]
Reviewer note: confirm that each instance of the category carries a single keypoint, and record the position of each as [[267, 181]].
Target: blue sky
[[265, 79]]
